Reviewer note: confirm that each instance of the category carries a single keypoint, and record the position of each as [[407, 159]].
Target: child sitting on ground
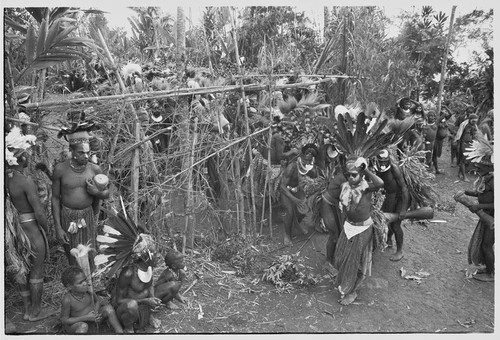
[[78, 307], [169, 283]]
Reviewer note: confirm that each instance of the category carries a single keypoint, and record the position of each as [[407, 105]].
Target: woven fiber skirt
[[353, 259]]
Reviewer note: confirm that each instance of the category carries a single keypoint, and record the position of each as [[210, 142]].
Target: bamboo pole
[[189, 220], [247, 130], [269, 173], [13, 96], [137, 130], [218, 151], [173, 93], [445, 60], [31, 123]]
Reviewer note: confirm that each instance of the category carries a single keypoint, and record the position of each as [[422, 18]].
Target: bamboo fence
[[149, 182]]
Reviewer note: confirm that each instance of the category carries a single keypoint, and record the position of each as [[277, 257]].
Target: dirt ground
[[445, 301]]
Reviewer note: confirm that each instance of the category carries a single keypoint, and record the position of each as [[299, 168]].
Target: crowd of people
[[327, 185]]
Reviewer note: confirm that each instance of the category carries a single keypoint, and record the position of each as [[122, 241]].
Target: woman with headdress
[[359, 141], [354, 248], [26, 226]]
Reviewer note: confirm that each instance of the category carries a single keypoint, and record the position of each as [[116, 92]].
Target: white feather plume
[[131, 68], [110, 230], [105, 239]]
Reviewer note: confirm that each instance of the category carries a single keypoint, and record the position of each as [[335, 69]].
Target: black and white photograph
[[236, 168]]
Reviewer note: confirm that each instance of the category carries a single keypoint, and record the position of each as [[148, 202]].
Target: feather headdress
[[481, 150], [309, 103], [121, 243], [15, 143], [363, 137], [78, 132]]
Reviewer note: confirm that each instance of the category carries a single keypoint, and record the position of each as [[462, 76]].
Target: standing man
[[396, 198], [354, 248], [75, 197], [33, 226]]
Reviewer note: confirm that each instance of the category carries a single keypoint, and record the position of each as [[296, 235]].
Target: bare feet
[[171, 305], [397, 257], [481, 271], [43, 314], [128, 330], [287, 241], [348, 299], [485, 277]]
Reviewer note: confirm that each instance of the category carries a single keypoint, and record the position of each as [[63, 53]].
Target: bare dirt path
[[445, 301]]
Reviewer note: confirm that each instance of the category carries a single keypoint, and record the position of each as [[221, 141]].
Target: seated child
[[78, 309], [170, 281]]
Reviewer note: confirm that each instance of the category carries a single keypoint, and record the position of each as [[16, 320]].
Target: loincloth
[[352, 229]]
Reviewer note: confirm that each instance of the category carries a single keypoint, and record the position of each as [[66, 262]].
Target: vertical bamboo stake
[[188, 234], [445, 60], [269, 165], [137, 131], [247, 128]]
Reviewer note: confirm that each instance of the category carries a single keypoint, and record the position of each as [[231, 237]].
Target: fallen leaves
[[417, 276]]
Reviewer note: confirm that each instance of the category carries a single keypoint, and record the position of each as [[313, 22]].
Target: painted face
[[81, 153], [405, 105], [431, 118], [384, 165], [353, 177], [80, 284]]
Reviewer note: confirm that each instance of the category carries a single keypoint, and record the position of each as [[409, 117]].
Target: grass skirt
[[17, 245], [353, 259], [475, 255], [83, 235]]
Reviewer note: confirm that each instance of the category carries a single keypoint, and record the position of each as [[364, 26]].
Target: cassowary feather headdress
[[123, 242], [78, 132], [365, 137]]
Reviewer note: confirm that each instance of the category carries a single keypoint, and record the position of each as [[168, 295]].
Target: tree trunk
[[326, 22], [445, 60], [180, 41]]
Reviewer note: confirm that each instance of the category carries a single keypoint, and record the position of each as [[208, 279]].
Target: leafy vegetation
[[286, 271]]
